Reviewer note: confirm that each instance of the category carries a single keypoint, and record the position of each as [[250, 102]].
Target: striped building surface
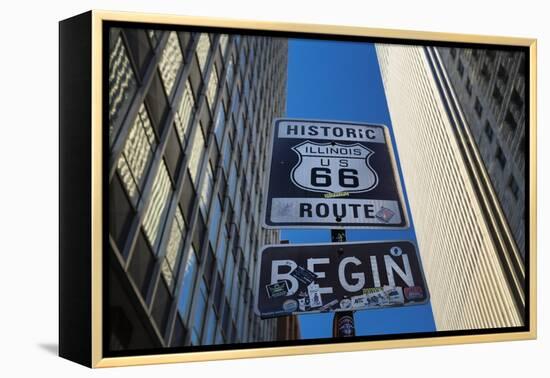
[[188, 116], [474, 274]]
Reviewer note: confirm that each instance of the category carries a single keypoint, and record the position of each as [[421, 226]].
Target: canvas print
[[271, 189]]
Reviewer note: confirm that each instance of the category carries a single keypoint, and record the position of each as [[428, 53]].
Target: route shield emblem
[[333, 168]]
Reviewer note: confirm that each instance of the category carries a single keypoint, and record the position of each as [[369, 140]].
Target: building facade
[[188, 116], [473, 269], [490, 86]]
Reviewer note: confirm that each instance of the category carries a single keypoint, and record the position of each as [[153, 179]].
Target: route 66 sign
[[332, 174], [333, 168]]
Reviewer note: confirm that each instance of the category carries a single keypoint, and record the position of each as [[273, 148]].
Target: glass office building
[[189, 117]]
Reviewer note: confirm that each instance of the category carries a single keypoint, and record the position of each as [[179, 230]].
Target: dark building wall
[[490, 86]]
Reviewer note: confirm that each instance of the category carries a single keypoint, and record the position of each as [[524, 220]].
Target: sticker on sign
[[332, 174], [339, 276]]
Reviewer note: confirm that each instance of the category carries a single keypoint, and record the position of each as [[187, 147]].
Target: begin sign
[[332, 174], [338, 277]]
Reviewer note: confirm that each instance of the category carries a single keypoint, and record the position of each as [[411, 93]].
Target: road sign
[[332, 174], [313, 278]]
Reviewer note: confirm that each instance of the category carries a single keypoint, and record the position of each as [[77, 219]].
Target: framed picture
[[235, 189]]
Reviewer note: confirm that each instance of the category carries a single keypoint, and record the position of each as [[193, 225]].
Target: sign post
[[343, 323], [332, 174]]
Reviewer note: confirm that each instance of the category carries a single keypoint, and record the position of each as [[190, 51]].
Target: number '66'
[[347, 177]]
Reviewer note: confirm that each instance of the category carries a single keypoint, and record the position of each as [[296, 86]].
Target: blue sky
[[341, 81]]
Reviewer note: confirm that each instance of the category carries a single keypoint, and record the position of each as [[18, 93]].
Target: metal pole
[[343, 324]]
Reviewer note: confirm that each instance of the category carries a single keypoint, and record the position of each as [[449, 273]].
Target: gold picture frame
[[81, 241]]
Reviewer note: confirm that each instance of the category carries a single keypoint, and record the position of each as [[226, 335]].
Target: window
[[219, 337], [246, 88], [510, 121], [215, 220], [210, 328], [188, 284], [203, 46], [157, 103], [513, 186], [517, 99], [206, 191], [135, 157], [497, 95], [239, 203], [173, 249], [219, 125], [141, 264], [460, 68], [222, 248], [178, 338], [209, 267], [199, 314], [154, 37], [500, 157], [155, 215], [244, 158], [240, 128], [488, 131], [478, 108], [213, 156], [188, 195], [226, 318], [199, 234], [233, 182], [197, 149], [173, 154], [228, 276], [120, 213], [230, 73], [226, 156], [139, 47], [235, 294], [223, 43], [468, 86], [242, 60], [122, 87], [212, 89], [170, 62], [502, 74], [240, 317], [235, 101], [185, 112], [161, 305]]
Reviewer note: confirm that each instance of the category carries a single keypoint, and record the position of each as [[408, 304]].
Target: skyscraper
[[490, 85], [471, 262], [188, 116]]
